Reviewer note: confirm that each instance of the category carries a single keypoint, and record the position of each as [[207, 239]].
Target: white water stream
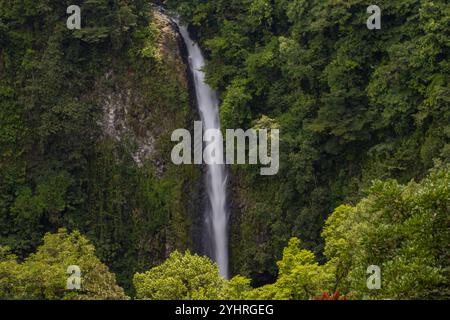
[[216, 179]]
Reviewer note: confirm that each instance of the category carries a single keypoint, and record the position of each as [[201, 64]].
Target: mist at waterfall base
[[216, 177]]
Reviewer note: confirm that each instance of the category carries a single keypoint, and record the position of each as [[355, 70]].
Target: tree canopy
[[43, 274]]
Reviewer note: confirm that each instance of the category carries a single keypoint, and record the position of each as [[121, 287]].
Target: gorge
[[87, 178]]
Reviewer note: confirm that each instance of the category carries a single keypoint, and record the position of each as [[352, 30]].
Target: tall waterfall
[[216, 178]]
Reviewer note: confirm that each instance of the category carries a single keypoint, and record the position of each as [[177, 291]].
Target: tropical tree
[[404, 230], [180, 277], [43, 275]]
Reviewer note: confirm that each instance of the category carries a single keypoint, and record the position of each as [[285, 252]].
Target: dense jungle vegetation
[[352, 105], [364, 119], [57, 167]]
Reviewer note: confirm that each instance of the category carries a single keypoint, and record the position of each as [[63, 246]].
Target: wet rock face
[[170, 45], [132, 111], [120, 124]]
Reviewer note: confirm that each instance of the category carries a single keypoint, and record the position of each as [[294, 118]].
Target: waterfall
[[216, 177]]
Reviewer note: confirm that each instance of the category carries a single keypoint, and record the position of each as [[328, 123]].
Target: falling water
[[216, 179]]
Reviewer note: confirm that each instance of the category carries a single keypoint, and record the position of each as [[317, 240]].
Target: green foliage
[[43, 274], [147, 37], [353, 105], [56, 167], [403, 230], [300, 277], [48, 121], [234, 111], [180, 277], [237, 288]]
